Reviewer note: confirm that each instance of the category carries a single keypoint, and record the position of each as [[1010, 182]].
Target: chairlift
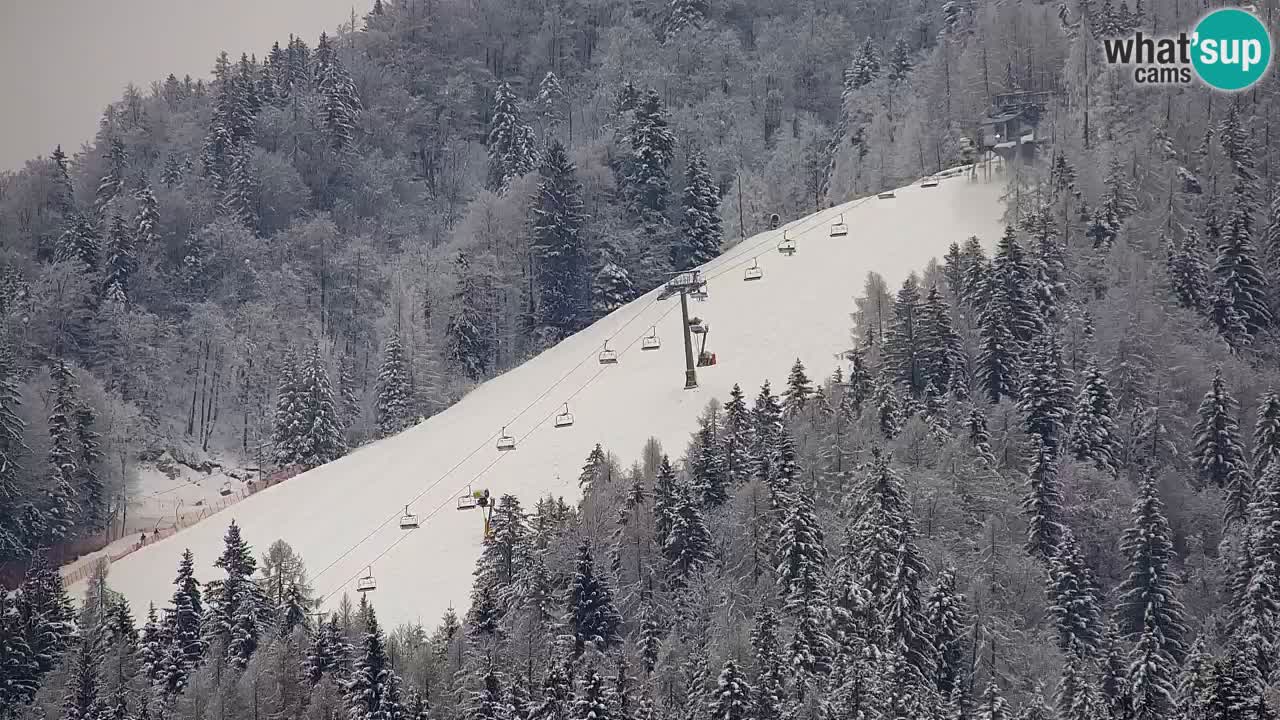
[[931, 181], [505, 441], [787, 246], [695, 325], [408, 521], [467, 500], [225, 490], [366, 583], [886, 195], [755, 272], [651, 341], [699, 293], [839, 229], [564, 419], [705, 359], [773, 221], [607, 356]]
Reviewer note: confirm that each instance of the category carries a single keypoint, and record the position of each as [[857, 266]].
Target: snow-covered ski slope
[[344, 517]]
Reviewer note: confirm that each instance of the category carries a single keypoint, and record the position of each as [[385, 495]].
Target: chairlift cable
[[477, 449], [426, 518]]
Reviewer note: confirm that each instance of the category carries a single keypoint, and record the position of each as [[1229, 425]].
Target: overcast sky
[[63, 61]]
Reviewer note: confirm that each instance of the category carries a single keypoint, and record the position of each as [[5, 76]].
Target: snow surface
[[342, 517]]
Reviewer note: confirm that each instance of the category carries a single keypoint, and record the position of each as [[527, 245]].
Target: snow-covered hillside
[[342, 517]]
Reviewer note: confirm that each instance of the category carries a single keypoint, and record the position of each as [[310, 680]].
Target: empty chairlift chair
[[225, 490], [366, 583], [408, 521], [787, 246], [564, 419], [755, 272], [607, 356], [651, 341], [695, 326], [505, 441], [839, 229], [699, 293]]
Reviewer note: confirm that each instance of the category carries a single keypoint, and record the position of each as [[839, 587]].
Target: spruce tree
[[709, 478], [12, 448], [594, 703], [993, 706], [550, 103], [236, 605], [1010, 286], [976, 292], [1266, 433], [45, 614], [559, 247], [81, 700], [19, 670], [665, 501], [1188, 272], [737, 439], [511, 143], [1045, 398], [904, 343], [942, 350], [468, 331], [339, 102], [112, 184], [65, 501], [287, 428], [900, 64], [699, 239], [321, 439], [1238, 268], [120, 262], [393, 389], [1094, 435], [592, 615], [1148, 603], [770, 671], [1077, 696], [371, 677], [1073, 596], [799, 390], [998, 362], [732, 699], [90, 490], [611, 288], [946, 620], [1218, 452], [889, 413], [652, 150]]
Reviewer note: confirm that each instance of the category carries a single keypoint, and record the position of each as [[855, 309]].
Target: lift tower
[[685, 284]]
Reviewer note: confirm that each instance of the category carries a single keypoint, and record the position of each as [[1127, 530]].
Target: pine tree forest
[[1043, 482]]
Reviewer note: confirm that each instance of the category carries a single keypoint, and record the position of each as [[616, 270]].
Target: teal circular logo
[[1231, 49]]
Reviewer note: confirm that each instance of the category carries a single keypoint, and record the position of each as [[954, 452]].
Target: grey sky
[[63, 61]]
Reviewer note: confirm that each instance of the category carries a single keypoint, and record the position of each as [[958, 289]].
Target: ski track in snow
[[343, 517]]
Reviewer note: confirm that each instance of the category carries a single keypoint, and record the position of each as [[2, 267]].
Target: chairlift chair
[[467, 500], [931, 181], [886, 195], [505, 441], [787, 246], [408, 521], [773, 221], [839, 229], [755, 272], [699, 293], [564, 419], [695, 325], [651, 341], [366, 583], [225, 490], [607, 356]]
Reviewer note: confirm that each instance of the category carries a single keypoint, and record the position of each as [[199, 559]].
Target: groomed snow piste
[[343, 517]]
